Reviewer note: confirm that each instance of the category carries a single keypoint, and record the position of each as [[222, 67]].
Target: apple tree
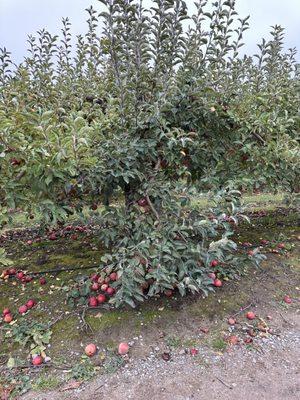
[[149, 107]]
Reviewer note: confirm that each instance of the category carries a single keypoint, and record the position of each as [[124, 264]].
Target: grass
[[219, 344], [46, 382]]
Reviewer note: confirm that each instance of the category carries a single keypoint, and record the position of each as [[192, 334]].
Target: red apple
[[95, 286], [43, 281], [20, 274], [104, 287], [6, 311], [194, 352], [110, 291], [8, 318], [168, 293], [143, 202], [101, 298], [107, 279], [23, 309], [214, 263], [12, 271], [250, 315], [212, 275], [287, 299], [94, 277], [90, 350], [30, 303], [231, 321], [29, 242], [264, 242], [5, 273], [93, 302], [113, 276], [123, 348], [53, 236], [37, 360], [281, 245], [218, 283]]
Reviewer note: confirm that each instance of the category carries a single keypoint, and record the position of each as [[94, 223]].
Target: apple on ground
[[101, 298], [110, 291], [93, 302], [30, 303], [218, 283], [37, 360], [90, 350], [123, 348], [214, 263], [43, 281], [23, 309], [8, 318], [5, 311], [250, 315]]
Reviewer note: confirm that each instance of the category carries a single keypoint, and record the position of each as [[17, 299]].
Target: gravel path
[[267, 371]]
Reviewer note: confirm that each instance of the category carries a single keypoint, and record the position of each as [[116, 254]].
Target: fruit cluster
[[102, 284], [8, 316]]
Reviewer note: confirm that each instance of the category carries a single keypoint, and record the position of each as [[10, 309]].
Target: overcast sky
[[18, 18]]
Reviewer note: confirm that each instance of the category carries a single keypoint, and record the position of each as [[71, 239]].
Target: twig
[[86, 325], [56, 320], [224, 383], [99, 387], [285, 320], [152, 207], [242, 309]]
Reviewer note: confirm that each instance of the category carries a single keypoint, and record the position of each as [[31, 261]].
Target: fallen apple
[[104, 287], [194, 352], [93, 302], [90, 350], [23, 309], [37, 360], [101, 298], [113, 276], [43, 281], [30, 303], [218, 283], [5, 311], [123, 348], [250, 315], [110, 291], [7, 318], [287, 299], [95, 286]]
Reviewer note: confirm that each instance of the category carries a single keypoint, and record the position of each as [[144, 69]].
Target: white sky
[[18, 18]]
